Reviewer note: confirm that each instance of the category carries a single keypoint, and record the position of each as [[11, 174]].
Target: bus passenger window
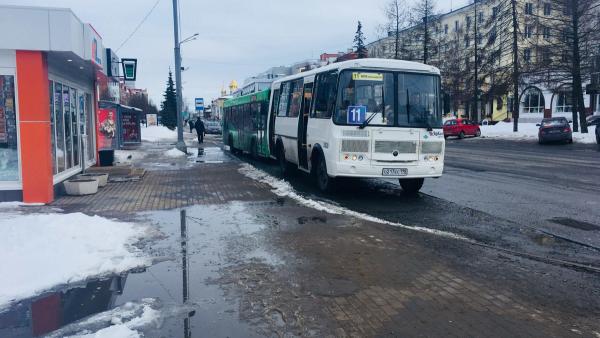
[[296, 98], [283, 99], [325, 95]]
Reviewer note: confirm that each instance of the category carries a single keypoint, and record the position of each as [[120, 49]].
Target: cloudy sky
[[238, 38]]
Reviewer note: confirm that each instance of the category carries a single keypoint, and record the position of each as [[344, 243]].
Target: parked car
[[555, 129], [598, 134], [212, 127], [593, 120], [461, 127]]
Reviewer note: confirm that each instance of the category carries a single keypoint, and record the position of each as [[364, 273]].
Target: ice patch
[[42, 251], [174, 153], [128, 156], [284, 189]]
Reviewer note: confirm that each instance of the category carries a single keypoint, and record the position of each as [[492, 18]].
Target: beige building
[[484, 27]]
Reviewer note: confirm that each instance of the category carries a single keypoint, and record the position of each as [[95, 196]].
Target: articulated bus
[[369, 118]]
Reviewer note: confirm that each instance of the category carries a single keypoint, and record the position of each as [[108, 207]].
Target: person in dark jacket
[[200, 130], [191, 123]]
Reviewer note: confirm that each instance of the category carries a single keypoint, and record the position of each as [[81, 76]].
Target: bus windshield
[[416, 103]]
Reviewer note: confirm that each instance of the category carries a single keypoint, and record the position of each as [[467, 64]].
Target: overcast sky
[[238, 38]]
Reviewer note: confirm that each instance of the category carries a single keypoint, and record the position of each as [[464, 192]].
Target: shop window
[[74, 126], [91, 145], [9, 153], [60, 129], [52, 126], [564, 104], [533, 101]]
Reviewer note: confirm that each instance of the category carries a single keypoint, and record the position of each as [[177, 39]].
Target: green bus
[[245, 123]]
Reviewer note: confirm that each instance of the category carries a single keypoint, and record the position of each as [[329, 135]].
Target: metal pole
[[180, 143]]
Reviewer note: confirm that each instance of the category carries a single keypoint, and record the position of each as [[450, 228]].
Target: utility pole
[[475, 115], [180, 143], [515, 50]]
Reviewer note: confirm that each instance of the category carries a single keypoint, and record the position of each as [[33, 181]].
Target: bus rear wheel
[[411, 186]]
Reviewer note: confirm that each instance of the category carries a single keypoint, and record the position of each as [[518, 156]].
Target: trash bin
[[106, 157]]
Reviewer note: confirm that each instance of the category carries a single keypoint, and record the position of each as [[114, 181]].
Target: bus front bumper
[[423, 169]]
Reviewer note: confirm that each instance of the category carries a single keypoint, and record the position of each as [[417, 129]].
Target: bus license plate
[[395, 172]]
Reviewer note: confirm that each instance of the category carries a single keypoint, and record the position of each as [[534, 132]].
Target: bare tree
[[425, 23], [397, 15], [568, 48]]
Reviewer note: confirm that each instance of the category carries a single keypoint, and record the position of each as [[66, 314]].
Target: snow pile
[[284, 189], [158, 133], [42, 251], [174, 153], [121, 322], [528, 131]]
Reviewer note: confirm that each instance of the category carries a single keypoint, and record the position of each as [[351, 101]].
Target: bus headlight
[[431, 158]]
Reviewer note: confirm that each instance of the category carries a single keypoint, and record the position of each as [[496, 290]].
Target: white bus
[[364, 118]]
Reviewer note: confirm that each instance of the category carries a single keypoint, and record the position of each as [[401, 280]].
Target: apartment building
[[482, 31]]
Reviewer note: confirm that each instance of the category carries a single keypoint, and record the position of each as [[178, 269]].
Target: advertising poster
[[152, 119], [107, 129], [130, 127]]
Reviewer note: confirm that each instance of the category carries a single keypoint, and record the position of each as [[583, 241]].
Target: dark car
[[598, 134], [212, 127], [593, 120], [555, 129]]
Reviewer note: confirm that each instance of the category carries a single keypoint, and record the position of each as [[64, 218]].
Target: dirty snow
[[128, 156], [43, 251], [158, 133], [284, 189], [174, 153], [12, 205], [528, 131], [124, 321]]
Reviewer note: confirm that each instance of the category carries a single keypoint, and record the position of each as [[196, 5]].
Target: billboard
[[107, 127]]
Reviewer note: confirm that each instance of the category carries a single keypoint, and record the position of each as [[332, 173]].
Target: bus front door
[[302, 126]]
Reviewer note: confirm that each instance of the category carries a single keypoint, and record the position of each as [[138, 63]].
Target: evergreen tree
[[168, 108], [359, 42]]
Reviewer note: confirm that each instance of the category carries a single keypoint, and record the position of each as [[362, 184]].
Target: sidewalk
[[284, 269]]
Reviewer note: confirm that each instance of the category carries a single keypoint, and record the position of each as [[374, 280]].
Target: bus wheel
[[324, 182], [253, 150], [411, 186], [283, 165]]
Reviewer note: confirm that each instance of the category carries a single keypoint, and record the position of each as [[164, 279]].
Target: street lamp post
[[180, 143]]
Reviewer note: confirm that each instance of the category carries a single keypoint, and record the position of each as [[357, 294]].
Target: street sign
[[357, 114], [129, 69], [199, 104]]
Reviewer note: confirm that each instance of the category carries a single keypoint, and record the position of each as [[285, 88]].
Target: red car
[[461, 128]]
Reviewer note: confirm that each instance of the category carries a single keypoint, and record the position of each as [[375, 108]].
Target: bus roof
[[370, 63], [254, 97]]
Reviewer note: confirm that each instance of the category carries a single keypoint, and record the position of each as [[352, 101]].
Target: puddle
[[208, 155], [545, 240]]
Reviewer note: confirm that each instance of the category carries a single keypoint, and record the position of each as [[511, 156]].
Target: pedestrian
[[200, 130], [191, 123]]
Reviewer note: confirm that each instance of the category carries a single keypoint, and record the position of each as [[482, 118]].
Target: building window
[[456, 26], [533, 101], [479, 39], [467, 41], [495, 12], [529, 8], [546, 33], [547, 8], [9, 153], [527, 55], [528, 31], [468, 22], [480, 17], [446, 29], [564, 103]]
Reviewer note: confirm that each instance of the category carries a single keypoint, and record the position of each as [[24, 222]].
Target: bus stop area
[[254, 255]]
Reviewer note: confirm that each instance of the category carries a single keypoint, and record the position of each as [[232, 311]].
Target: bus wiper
[[367, 121]]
